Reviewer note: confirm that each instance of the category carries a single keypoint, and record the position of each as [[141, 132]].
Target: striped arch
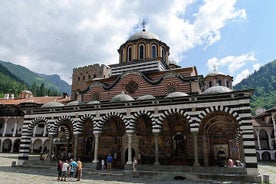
[[160, 118], [100, 123], [36, 121], [219, 108], [78, 126], [136, 115], [58, 122]]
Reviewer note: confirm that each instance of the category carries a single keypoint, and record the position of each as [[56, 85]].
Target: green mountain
[[32, 80], [264, 83]]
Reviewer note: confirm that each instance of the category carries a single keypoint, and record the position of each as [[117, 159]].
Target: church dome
[[176, 94], [52, 104], [122, 97], [75, 103], [143, 35], [93, 102], [214, 73], [217, 89], [146, 97]]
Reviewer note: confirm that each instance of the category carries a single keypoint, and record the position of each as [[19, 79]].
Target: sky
[[235, 37]]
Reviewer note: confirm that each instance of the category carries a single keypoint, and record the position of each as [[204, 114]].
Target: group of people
[[109, 160], [230, 163], [69, 169]]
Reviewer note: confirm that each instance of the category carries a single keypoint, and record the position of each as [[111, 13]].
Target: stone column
[[14, 130], [96, 148], [129, 159], [196, 163], [274, 128], [5, 129], [51, 144], [44, 131], [156, 148], [76, 146], [34, 130], [12, 146]]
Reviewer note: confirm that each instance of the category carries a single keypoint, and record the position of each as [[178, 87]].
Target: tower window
[[219, 82], [141, 51], [129, 54], [210, 84], [163, 54], [153, 51]]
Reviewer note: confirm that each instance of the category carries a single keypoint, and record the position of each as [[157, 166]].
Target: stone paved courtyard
[[47, 175]]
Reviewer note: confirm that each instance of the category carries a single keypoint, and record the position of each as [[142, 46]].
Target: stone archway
[[219, 132], [110, 140], [6, 147], [176, 144], [86, 141], [16, 146]]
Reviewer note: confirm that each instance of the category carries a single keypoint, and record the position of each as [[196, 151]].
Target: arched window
[[153, 51], [141, 51], [219, 83], [163, 54], [129, 53], [210, 84]]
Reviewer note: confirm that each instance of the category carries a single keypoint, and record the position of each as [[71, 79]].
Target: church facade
[[147, 107]]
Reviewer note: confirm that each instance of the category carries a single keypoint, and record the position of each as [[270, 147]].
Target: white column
[[274, 127], [156, 148], [76, 147], [129, 161], [34, 131], [12, 146], [14, 130], [5, 129], [45, 130], [196, 163], [96, 148]]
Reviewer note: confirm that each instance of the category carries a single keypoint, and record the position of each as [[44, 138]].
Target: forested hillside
[[16, 78], [264, 83]]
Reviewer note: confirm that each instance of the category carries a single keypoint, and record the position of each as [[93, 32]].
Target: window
[[141, 51], [210, 84], [219, 82], [129, 55], [163, 54], [153, 51]]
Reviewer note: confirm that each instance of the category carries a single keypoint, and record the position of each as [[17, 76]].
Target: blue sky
[[235, 37]]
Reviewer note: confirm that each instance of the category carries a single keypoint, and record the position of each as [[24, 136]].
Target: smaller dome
[[26, 91], [122, 97], [75, 103], [176, 94], [146, 97], [214, 73], [52, 104], [93, 102], [217, 89], [144, 35]]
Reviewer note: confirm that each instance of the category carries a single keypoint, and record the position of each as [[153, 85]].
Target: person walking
[[59, 169], [103, 164], [65, 170], [79, 169], [109, 161], [134, 166], [73, 168]]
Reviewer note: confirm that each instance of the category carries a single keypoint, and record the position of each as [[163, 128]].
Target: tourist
[[230, 163], [103, 164], [65, 170], [134, 166], [59, 169], [73, 168], [109, 161], [79, 169]]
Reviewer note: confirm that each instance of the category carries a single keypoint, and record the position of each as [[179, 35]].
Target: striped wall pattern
[[194, 112]]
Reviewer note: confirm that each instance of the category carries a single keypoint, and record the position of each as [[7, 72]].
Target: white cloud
[[233, 63], [245, 73], [68, 34]]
